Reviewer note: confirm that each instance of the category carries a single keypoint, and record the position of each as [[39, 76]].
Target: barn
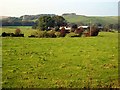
[[84, 27]]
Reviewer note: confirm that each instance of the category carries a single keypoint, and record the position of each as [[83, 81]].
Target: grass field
[[93, 19], [60, 62]]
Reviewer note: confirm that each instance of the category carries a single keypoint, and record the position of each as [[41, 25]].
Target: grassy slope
[[60, 62], [86, 19]]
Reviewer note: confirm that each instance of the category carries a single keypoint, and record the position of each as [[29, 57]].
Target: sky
[[81, 7]]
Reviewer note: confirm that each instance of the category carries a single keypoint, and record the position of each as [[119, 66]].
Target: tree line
[[44, 22], [14, 21]]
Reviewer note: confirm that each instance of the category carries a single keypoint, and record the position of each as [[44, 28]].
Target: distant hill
[[3, 17], [70, 17], [93, 19], [34, 17], [73, 18]]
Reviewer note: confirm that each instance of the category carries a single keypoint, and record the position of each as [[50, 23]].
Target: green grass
[[24, 29], [60, 62], [93, 19]]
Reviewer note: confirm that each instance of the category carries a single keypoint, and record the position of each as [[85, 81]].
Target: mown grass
[[90, 62]]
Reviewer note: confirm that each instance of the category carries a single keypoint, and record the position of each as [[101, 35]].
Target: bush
[[86, 34], [17, 31], [34, 34], [94, 31], [72, 30], [62, 32], [51, 34], [57, 34], [34, 26], [113, 31], [72, 34], [45, 34], [74, 27], [42, 34], [4, 34], [56, 28], [79, 31]]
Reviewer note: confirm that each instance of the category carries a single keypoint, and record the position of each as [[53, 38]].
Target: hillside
[[34, 17], [93, 19], [3, 17], [71, 18]]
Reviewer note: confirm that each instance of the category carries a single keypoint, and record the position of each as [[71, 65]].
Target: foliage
[[62, 32], [44, 22], [51, 34], [94, 30], [79, 31], [34, 17], [27, 23], [17, 31], [57, 34], [35, 25], [13, 21], [42, 34], [106, 28], [59, 21], [74, 27], [56, 28], [29, 20], [34, 33], [72, 34]]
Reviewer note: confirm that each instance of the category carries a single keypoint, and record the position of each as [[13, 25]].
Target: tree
[[79, 31], [35, 25], [106, 28], [47, 21], [59, 21], [62, 32], [74, 27], [111, 26], [44, 22], [94, 30], [17, 31]]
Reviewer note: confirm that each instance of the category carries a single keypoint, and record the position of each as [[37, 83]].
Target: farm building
[[84, 27], [66, 28]]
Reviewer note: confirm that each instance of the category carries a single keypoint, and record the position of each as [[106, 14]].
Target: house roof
[[100, 27], [67, 28], [83, 26]]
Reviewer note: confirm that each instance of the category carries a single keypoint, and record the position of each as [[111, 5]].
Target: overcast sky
[[81, 7]]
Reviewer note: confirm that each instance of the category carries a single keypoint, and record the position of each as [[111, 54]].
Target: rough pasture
[[60, 62]]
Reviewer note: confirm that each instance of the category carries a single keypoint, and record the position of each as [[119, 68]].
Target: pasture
[[81, 62]]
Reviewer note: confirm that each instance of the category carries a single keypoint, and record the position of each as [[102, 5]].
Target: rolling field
[[95, 19], [84, 62]]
